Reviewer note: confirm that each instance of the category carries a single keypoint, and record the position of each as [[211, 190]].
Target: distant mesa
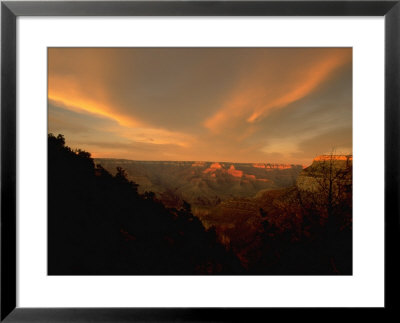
[[212, 168], [278, 166], [340, 161], [338, 167], [198, 164], [216, 166], [235, 173], [346, 158], [258, 165], [273, 166]]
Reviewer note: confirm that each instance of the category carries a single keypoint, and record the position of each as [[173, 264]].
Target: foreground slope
[[98, 224]]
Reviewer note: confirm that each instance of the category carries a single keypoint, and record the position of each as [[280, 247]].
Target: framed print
[[197, 160]]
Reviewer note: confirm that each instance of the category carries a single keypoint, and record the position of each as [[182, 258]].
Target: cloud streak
[[258, 97], [215, 104]]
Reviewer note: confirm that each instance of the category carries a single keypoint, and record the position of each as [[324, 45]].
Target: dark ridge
[[98, 224]]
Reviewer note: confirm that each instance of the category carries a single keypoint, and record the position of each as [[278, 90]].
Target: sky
[[264, 105]]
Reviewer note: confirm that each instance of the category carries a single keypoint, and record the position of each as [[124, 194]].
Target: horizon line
[[198, 161]]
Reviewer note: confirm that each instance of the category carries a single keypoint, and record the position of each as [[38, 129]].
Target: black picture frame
[[10, 10]]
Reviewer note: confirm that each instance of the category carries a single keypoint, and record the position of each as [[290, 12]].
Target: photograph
[[200, 160]]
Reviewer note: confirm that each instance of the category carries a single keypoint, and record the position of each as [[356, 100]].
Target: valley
[[242, 201], [203, 184]]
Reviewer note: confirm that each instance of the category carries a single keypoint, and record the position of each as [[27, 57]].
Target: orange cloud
[[197, 104], [64, 89], [256, 99], [318, 75], [156, 136]]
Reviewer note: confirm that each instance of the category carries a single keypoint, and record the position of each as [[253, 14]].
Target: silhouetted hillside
[[98, 224]]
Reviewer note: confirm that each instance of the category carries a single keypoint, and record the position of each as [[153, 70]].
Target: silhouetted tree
[[99, 224]]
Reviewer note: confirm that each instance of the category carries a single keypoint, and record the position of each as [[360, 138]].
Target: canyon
[[204, 184], [235, 198]]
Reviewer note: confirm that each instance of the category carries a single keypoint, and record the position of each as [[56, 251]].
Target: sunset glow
[[278, 105]]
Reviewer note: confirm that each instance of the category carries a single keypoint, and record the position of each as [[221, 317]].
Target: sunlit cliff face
[[277, 105], [333, 157]]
